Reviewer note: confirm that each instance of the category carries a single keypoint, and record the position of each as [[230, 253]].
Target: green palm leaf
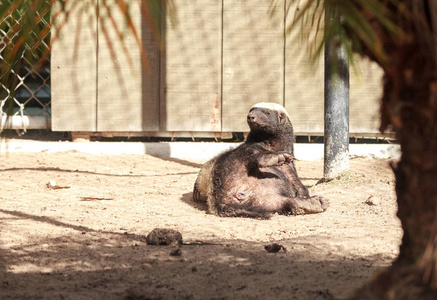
[[357, 28]]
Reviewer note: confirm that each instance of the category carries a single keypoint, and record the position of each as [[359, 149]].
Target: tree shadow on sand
[[91, 264]]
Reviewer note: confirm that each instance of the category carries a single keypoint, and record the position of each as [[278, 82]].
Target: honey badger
[[258, 177]]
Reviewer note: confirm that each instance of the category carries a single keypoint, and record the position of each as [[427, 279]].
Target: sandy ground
[[87, 240]]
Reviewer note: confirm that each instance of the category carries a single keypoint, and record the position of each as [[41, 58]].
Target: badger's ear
[[282, 118]]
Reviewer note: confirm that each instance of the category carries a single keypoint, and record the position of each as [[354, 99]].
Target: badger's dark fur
[[258, 177]]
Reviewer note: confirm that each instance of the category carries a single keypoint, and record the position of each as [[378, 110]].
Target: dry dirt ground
[[87, 240]]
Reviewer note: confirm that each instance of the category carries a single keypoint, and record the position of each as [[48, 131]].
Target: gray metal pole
[[336, 158]]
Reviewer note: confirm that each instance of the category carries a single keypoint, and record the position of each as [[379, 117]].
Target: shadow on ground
[[188, 199], [90, 264]]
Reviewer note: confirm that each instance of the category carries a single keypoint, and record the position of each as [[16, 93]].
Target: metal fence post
[[336, 144]]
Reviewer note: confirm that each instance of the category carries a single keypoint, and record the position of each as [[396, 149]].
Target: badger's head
[[268, 117]]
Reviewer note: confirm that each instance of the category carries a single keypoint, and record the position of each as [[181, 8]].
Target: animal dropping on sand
[[258, 177]]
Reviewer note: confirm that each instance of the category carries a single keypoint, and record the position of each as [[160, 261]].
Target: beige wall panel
[[253, 58], [73, 71], [365, 96], [191, 68], [304, 83], [128, 94], [304, 90], [304, 94], [182, 90]]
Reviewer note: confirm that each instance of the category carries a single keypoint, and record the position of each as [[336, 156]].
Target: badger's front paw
[[277, 159]]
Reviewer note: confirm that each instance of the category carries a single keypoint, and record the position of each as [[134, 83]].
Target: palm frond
[[355, 27]]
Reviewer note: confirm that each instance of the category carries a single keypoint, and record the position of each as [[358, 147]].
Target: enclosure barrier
[[32, 94]]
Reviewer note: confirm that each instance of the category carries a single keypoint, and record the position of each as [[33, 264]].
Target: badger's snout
[[251, 118]]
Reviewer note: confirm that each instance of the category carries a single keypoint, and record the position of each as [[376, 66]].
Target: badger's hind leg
[[303, 206], [242, 210], [263, 209], [237, 202]]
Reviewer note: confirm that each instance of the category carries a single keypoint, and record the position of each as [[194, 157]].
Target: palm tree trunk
[[409, 104], [414, 274]]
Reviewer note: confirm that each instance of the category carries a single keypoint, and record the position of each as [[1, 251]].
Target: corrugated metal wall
[[219, 59]]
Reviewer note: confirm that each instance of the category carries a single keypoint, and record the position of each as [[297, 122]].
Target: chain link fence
[[25, 83]]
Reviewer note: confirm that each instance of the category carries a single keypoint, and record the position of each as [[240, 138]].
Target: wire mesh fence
[[25, 64]]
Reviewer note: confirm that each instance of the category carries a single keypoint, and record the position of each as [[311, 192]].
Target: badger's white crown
[[272, 106]]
